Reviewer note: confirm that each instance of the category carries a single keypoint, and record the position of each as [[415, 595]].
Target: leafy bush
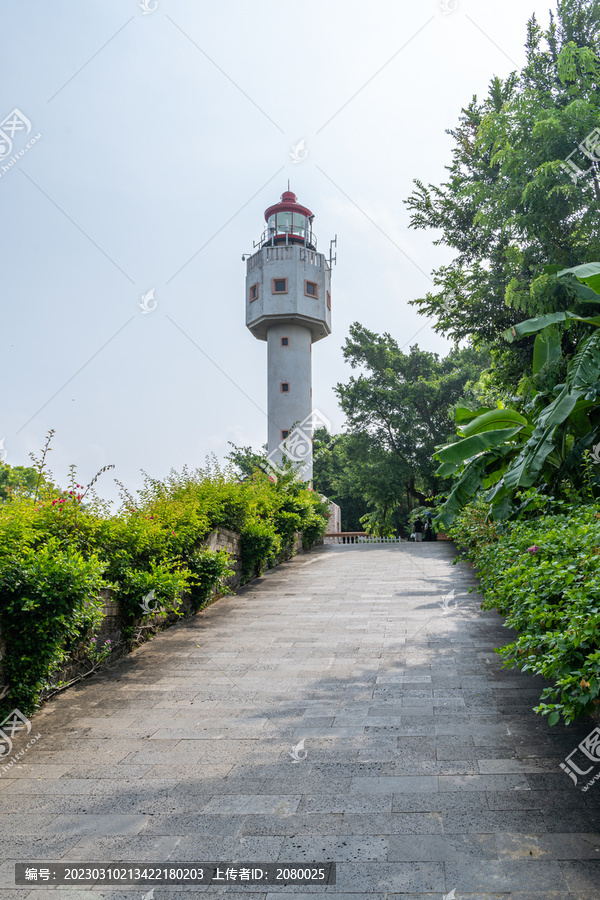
[[544, 576], [49, 602], [207, 570], [59, 548]]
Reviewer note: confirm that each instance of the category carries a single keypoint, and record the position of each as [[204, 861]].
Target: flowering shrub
[[544, 576], [59, 548]]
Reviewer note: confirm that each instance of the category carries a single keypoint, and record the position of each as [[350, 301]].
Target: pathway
[[422, 769]]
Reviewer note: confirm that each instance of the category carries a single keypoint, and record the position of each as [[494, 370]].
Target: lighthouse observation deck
[[286, 251]]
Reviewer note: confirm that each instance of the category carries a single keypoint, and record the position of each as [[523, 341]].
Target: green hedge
[[58, 549], [543, 575]]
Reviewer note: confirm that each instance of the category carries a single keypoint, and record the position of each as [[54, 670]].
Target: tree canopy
[[511, 203]]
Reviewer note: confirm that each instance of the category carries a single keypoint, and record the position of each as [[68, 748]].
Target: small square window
[[279, 286], [285, 342], [311, 289], [284, 434], [285, 387], [328, 300], [253, 292]]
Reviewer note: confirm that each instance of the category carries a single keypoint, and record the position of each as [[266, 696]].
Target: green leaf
[[466, 486], [546, 348], [526, 468], [531, 326], [472, 446], [494, 419], [463, 414], [553, 717], [585, 366], [584, 293], [588, 272]]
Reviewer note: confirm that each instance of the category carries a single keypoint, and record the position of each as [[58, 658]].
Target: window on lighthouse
[[311, 289], [284, 434], [285, 387], [284, 222], [299, 224], [279, 286], [285, 342], [254, 292]]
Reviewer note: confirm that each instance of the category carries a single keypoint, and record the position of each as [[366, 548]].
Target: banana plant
[[502, 451]]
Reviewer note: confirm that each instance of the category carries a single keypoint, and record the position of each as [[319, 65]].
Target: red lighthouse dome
[[289, 223]]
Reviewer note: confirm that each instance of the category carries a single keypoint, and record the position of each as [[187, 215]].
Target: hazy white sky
[[164, 136]]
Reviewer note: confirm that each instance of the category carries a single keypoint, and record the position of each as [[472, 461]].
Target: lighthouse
[[288, 305]]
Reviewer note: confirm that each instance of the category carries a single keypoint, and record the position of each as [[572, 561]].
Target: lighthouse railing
[[288, 251]]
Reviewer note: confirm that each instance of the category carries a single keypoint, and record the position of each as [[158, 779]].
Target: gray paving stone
[[352, 803], [493, 875], [491, 822], [293, 824], [413, 784], [392, 824], [425, 771], [548, 846], [404, 848], [334, 848]]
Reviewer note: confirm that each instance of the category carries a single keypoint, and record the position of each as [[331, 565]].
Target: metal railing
[[279, 238], [287, 251]]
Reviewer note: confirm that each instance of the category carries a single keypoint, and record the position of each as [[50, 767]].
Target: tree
[[334, 477], [16, 479], [246, 460], [397, 411], [511, 204], [355, 473]]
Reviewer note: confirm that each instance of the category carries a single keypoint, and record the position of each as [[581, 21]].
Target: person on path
[[418, 529], [428, 529]]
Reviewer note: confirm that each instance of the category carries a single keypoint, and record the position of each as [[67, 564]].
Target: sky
[[159, 132]]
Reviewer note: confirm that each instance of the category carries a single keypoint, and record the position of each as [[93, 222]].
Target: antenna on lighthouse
[[332, 244]]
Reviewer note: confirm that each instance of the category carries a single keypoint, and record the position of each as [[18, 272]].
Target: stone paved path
[[425, 769]]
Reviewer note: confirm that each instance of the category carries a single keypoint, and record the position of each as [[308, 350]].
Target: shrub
[[59, 548], [49, 602], [544, 576]]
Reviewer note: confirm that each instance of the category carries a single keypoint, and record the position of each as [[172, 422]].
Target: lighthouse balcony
[[290, 251]]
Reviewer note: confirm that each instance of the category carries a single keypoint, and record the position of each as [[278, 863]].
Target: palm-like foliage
[[505, 452]]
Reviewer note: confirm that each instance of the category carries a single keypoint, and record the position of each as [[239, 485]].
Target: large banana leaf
[[527, 466], [492, 420], [463, 414], [589, 272], [584, 369], [474, 445], [584, 293], [546, 348], [464, 489], [531, 326]]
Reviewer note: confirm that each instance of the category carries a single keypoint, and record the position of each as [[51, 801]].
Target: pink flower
[[533, 549]]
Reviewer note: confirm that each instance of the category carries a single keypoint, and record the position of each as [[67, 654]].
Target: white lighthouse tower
[[288, 305]]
